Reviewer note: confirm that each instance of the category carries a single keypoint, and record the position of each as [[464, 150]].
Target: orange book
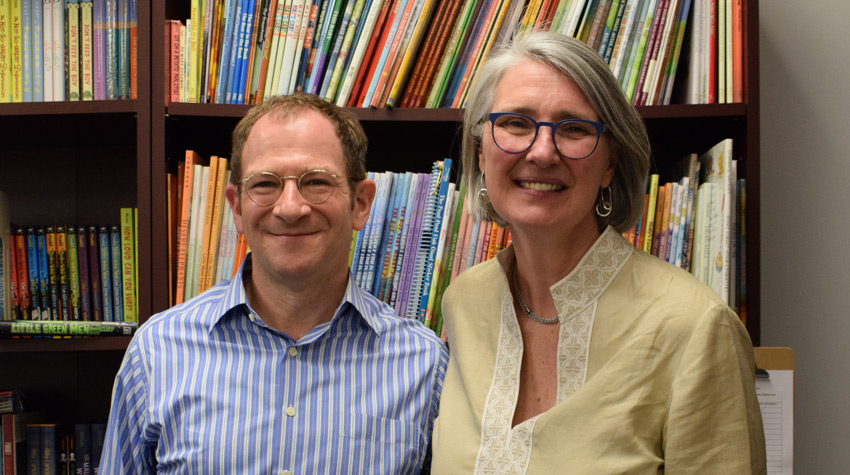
[[737, 51], [428, 44], [241, 252], [420, 96], [209, 204], [484, 232], [659, 215], [215, 47], [192, 159], [665, 220], [171, 207], [215, 227], [496, 235]]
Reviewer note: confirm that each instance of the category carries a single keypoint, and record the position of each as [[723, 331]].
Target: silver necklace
[[524, 306]]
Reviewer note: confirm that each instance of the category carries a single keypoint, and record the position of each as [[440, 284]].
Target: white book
[[58, 38], [655, 70], [715, 165], [281, 18], [622, 47], [289, 38], [196, 224], [300, 43]]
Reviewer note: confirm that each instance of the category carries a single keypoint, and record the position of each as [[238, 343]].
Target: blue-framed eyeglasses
[[573, 138], [264, 188]]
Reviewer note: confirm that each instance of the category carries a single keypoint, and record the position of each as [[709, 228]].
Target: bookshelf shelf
[[41, 345], [69, 108]]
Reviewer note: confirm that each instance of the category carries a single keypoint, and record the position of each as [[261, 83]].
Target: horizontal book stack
[[425, 53], [71, 274], [697, 221], [34, 447], [58, 50], [204, 247]]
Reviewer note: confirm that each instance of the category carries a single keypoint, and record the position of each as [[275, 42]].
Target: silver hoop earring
[[606, 205], [483, 196]]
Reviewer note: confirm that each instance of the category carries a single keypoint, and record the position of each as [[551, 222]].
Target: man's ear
[[364, 193], [231, 192]]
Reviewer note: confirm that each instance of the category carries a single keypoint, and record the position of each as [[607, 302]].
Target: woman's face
[[539, 189]]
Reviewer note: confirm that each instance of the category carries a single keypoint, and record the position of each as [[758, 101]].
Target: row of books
[[204, 247], [425, 53], [56, 50], [71, 273], [32, 447], [697, 222]]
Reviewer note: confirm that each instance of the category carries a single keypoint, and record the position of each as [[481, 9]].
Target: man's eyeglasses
[[264, 188], [573, 138]]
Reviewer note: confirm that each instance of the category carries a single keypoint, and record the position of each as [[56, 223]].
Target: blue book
[[32, 260], [358, 240], [117, 287], [236, 52], [396, 226], [386, 226], [111, 49], [435, 236], [420, 256], [414, 236], [37, 56], [105, 273], [226, 46], [373, 237], [246, 31], [407, 220]]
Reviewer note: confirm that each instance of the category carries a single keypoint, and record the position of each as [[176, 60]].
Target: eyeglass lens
[[264, 188], [573, 138]]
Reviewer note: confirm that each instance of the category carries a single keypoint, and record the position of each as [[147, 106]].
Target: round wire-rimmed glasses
[[573, 138], [316, 186]]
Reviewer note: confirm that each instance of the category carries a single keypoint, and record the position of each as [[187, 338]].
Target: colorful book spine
[[43, 274], [86, 50], [37, 52], [58, 38], [85, 283], [94, 275], [53, 274], [105, 277], [99, 27], [132, 27], [26, 49], [111, 49], [117, 268], [128, 264], [47, 48], [22, 270], [32, 260], [18, 329], [73, 50], [62, 267], [5, 51], [122, 34], [74, 272]]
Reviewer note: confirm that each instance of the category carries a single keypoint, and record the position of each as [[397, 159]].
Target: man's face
[[293, 240]]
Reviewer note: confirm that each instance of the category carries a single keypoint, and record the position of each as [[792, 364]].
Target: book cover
[[103, 248], [73, 272], [94, 274], [62, 271], [15, 438], [630, 80], [24, 301], [172, 45], [433, 61], [227, 47], [291, 39], [393, 229], [133, 31], [128, 264], [649, 228], [32, 259], [98, 433], [432, 227], [360, 44], [206, 232], [401, 247], [438, 267], [191, 159], [43, 274], [11, 304], [64, 329], [47, 48], [53, 274], [196, 226], [216, 222], [73, 41], [414, 237], [85, 281], [342, 49], [58, 54], [27, 49], [33, 459], [715, 168], [16, 88], [411, 52], [86, 50], [369, 45], [5, 51], [49, 459], [449, 58], [660, 203], [116, 267]]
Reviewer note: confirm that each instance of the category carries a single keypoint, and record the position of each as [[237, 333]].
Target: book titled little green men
[[63, 329]]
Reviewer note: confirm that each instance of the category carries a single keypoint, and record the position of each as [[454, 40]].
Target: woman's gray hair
[[623, 125]]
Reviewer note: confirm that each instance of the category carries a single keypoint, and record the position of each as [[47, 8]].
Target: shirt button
[[290, 411], [293, 352]]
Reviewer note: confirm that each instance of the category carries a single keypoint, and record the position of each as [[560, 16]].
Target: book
[[20, 250], [716, 168], [103, 248], [86, 311], [94, 273], [83, 449], [43, 273], [16, 85], [38, 306], [73, 41], [58, 53], [191, 159], [47, 48], [73, 272], [15, 438], [53, 274], [86, 50], [649, 226], [128, 265], [206, 231], [63, 328], [62, 272], [216, 224], [116, 267]]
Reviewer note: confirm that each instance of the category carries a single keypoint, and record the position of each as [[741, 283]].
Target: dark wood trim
[[753, 166], [18, 345], [71, 108]]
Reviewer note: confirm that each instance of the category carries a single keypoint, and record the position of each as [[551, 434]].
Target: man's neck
[[295, 308]]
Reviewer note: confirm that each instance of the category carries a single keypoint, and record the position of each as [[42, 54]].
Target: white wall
[[805, 216]]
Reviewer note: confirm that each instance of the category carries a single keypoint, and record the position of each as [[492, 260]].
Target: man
[[290, 367]]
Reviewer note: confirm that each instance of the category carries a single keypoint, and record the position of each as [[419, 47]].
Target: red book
[[23, 272]]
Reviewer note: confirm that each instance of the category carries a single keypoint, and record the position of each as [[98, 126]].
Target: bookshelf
[[119, 153]]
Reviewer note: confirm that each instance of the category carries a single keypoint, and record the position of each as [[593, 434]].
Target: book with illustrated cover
[[116, 268], [128, 265]]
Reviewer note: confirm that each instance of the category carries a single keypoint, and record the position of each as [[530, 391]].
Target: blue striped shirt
[[206, 387]]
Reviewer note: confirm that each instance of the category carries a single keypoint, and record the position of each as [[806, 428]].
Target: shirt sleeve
[[126, 448], [714, 422]]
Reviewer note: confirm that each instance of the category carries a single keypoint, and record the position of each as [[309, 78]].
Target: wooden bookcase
[[119, 153]]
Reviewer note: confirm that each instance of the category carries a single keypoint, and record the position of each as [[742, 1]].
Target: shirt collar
[[355, 300]]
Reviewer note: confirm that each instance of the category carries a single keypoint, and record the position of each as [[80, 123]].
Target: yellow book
[[16, 58], [215, 227], [128, 264], [5, 51], [209, 204], [649, 226], [195, 48]]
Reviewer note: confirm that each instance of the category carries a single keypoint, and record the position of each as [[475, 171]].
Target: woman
[[572, 352]]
